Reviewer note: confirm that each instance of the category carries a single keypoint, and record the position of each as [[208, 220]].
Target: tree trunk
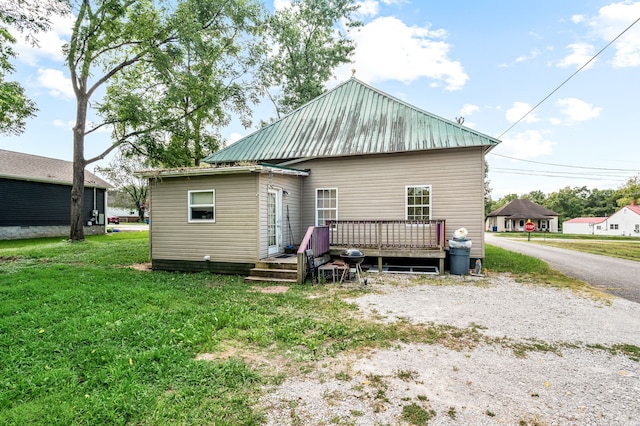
[[77, 190]]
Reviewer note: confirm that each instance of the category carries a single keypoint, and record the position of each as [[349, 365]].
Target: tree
[[568, 202], [120, 173], [628, 192], [488, 202], [307, 48], [141, 53], [28, 18], [537, 197], [601, 202]]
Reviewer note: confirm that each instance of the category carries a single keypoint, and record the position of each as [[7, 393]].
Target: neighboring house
[[354, 167], [625, 221], [584, 225], [35, 195], [512, 217], [124, 214]]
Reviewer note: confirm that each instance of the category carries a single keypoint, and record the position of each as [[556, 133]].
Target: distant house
[[584, 225], [512, 217], [35, 195], [624, 222], [354, 167]]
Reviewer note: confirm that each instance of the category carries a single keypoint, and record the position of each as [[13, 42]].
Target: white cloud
[[57, 84], [576, 110], [518, 110], [234, 137], [66, 124], [281, 4], [368, 8], [528, 144], [531, 55], [468, 109], [387, 49], [49, 43], [581, 53], [576, 19], [611, 21]]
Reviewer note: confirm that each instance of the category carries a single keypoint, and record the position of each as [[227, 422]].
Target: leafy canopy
[[309, 41]]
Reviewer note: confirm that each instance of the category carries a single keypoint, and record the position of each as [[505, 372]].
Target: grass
[[88, 340], [620, 249], [560, 236], [613, 246], [531, 269]]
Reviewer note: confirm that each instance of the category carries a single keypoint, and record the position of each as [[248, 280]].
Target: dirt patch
[[142, 266], [271, 290], [258, 358]]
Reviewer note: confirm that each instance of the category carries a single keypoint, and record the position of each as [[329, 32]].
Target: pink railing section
[[388, 234], [316, 239]]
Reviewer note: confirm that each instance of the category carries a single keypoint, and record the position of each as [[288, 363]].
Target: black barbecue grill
[[353, 258]]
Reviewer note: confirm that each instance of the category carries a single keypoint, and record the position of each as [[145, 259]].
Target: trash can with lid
[[459, 260]]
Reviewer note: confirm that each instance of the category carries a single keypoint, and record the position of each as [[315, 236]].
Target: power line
[[568, 166], [543, 174], [561, 173], [569, 78]]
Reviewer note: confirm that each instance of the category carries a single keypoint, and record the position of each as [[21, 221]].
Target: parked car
[[113, 219]]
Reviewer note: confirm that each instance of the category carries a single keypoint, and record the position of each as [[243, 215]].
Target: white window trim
[[406, 200], [316, 208], [189, 206]]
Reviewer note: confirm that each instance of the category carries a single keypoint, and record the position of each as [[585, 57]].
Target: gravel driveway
[[573, 379]]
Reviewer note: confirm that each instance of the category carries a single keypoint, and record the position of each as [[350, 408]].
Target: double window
[[418, 202], [326, 205], [202, 206]]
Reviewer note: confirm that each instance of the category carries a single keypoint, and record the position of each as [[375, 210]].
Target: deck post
[[380, 247]]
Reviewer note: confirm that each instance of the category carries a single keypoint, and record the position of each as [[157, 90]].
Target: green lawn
[[620, 247], [86, 339]]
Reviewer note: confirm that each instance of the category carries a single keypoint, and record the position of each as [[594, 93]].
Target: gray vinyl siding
[[233, 236], [293, 186], [373, 187]]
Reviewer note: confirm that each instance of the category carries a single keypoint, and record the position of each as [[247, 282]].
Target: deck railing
[[378, 234], [388, 234], [316, 239]]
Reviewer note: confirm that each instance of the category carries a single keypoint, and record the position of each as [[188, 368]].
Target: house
[[512, 217], [35, 194], [584, 225], [625, 221], [355, 167]]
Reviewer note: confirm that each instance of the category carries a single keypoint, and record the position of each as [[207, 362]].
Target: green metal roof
[[351, 119]]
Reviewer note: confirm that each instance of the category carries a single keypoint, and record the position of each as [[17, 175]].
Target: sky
[[489, 62]]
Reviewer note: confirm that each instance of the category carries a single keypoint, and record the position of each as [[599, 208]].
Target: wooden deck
[[376, 238]]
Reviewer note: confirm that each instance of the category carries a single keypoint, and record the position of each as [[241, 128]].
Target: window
[[613, 226], [419, 202], [202, 206], [326, 205]]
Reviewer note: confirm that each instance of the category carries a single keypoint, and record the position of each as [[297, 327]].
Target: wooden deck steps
[[275, 270], [279, 270]]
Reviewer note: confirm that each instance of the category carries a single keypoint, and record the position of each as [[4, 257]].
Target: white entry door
[[274, 220]]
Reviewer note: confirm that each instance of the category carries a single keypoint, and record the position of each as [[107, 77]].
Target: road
[[615, 276]]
